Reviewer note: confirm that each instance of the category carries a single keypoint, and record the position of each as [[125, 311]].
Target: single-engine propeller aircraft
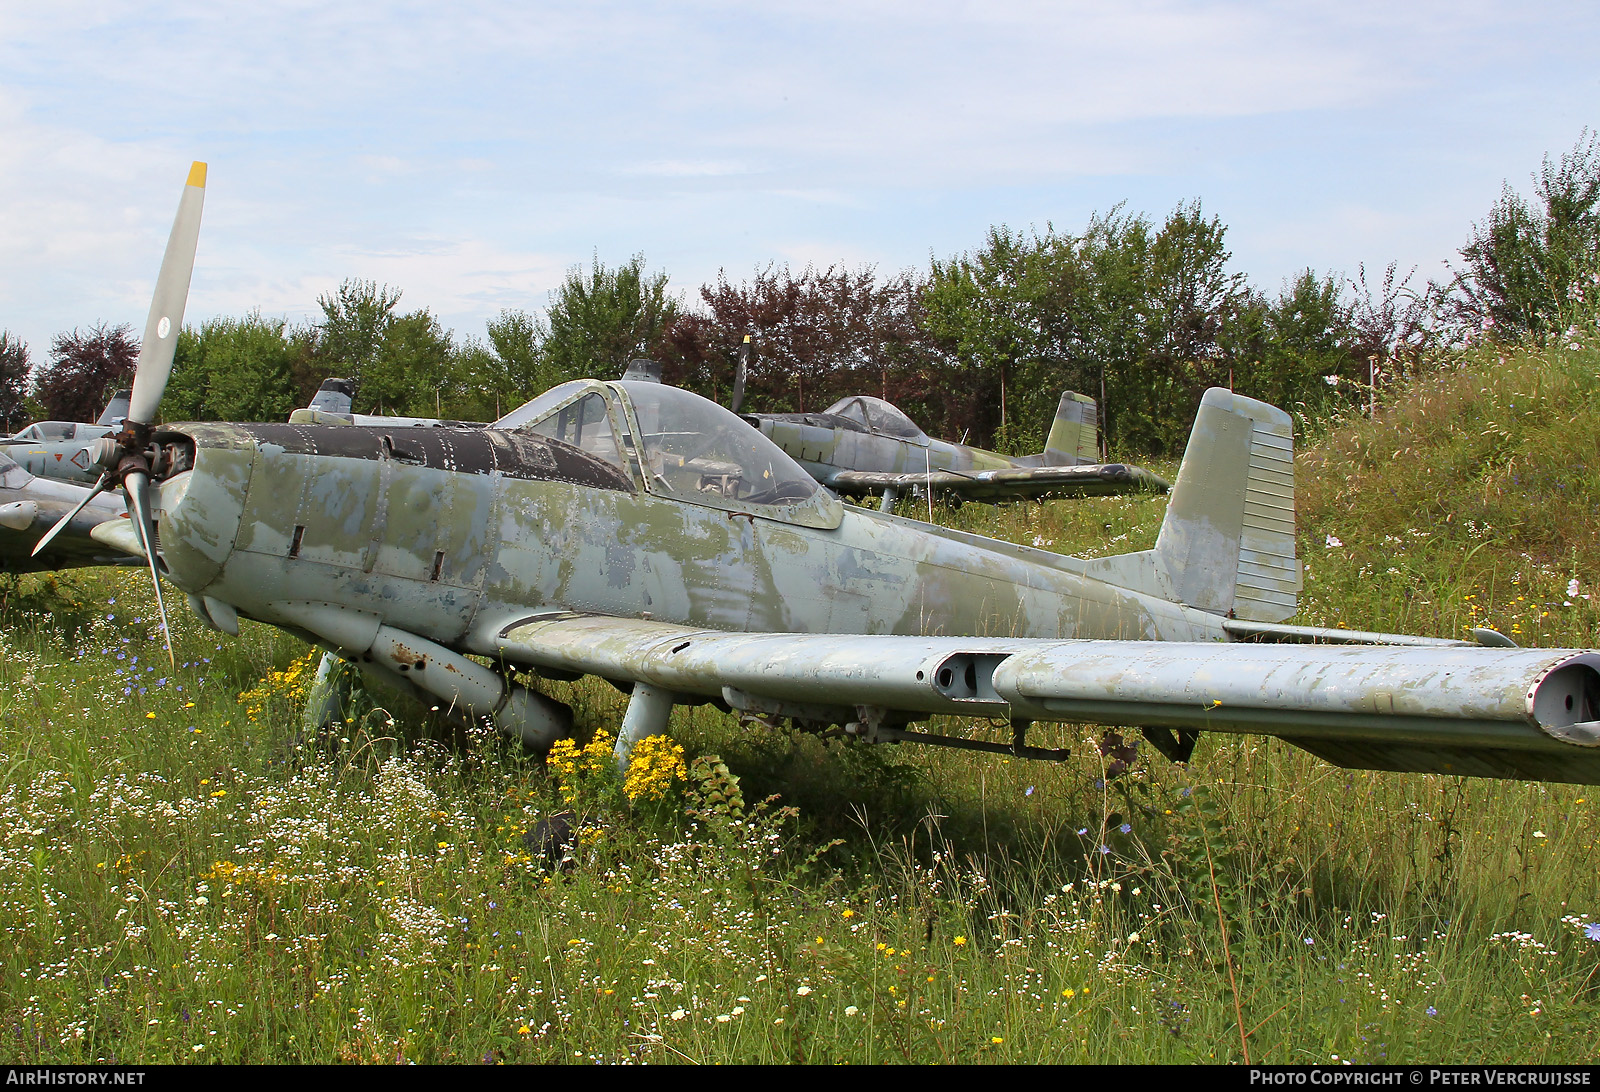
[[863, 446], [640, 533]]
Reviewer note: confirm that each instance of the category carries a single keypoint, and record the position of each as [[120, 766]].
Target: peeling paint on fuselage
[[446, 553]]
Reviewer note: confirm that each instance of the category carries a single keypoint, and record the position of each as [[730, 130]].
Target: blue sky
[[470, 153]]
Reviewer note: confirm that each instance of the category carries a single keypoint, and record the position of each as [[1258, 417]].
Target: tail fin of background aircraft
[[1227, 544], [116, 410], [1075, 434]]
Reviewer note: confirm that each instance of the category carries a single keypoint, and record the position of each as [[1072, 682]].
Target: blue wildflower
[[1125, 827], [1432, 1011], [1591, 930]]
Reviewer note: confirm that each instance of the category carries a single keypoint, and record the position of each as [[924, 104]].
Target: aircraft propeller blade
[[166, 308], [125, 456], [136, 483], [740, 372], [61, 524]]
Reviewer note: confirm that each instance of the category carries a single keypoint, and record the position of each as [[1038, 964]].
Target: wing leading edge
[[1491, 712]]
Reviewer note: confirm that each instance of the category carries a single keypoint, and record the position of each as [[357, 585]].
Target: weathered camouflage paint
[[372, 531]]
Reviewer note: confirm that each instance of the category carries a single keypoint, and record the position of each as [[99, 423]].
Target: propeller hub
[[106, 452]]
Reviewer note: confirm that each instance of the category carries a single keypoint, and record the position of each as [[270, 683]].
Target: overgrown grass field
[[186, 876]]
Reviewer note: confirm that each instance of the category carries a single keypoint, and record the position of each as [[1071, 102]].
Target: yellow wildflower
[[654, 767]]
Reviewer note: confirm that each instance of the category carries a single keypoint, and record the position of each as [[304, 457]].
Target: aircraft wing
[[1011, 483], [1440, 708]]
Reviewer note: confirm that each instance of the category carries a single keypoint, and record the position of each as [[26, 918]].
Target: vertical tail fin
[[1227, 544], [116, 410], [1075, 434]]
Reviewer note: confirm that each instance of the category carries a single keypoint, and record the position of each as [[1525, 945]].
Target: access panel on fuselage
[[435, 516]]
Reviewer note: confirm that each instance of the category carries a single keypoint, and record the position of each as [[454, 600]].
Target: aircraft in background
[[864, 446], [31, 504], [333, 402], [62, 449]]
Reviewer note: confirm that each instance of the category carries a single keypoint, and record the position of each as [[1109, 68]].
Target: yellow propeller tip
[[197, 174]]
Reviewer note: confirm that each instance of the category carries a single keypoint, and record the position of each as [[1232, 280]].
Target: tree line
[[1141, 313]]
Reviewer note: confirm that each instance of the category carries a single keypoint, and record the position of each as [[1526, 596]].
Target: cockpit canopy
[[678, 445], [877, 416], [48, 431]]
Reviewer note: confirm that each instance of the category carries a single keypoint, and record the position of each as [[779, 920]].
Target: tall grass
[[185, 877]]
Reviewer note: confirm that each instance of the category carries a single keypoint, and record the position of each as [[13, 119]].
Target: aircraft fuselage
[[455, 533]]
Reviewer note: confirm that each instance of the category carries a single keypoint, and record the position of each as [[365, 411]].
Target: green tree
[[512, 369], [83, 370], [13, 381], [355, 320], [1008, 315], [412, 370], [399, 363], [600, 320], [1284, 347], [234, 369], [1532, 266], [1125, 310]]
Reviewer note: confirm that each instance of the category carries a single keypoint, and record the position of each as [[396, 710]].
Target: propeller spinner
[[128, 458]]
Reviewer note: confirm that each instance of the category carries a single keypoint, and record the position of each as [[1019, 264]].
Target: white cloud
[[678, 168]]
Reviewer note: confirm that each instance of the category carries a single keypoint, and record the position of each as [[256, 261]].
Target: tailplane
[[1227, 544]]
